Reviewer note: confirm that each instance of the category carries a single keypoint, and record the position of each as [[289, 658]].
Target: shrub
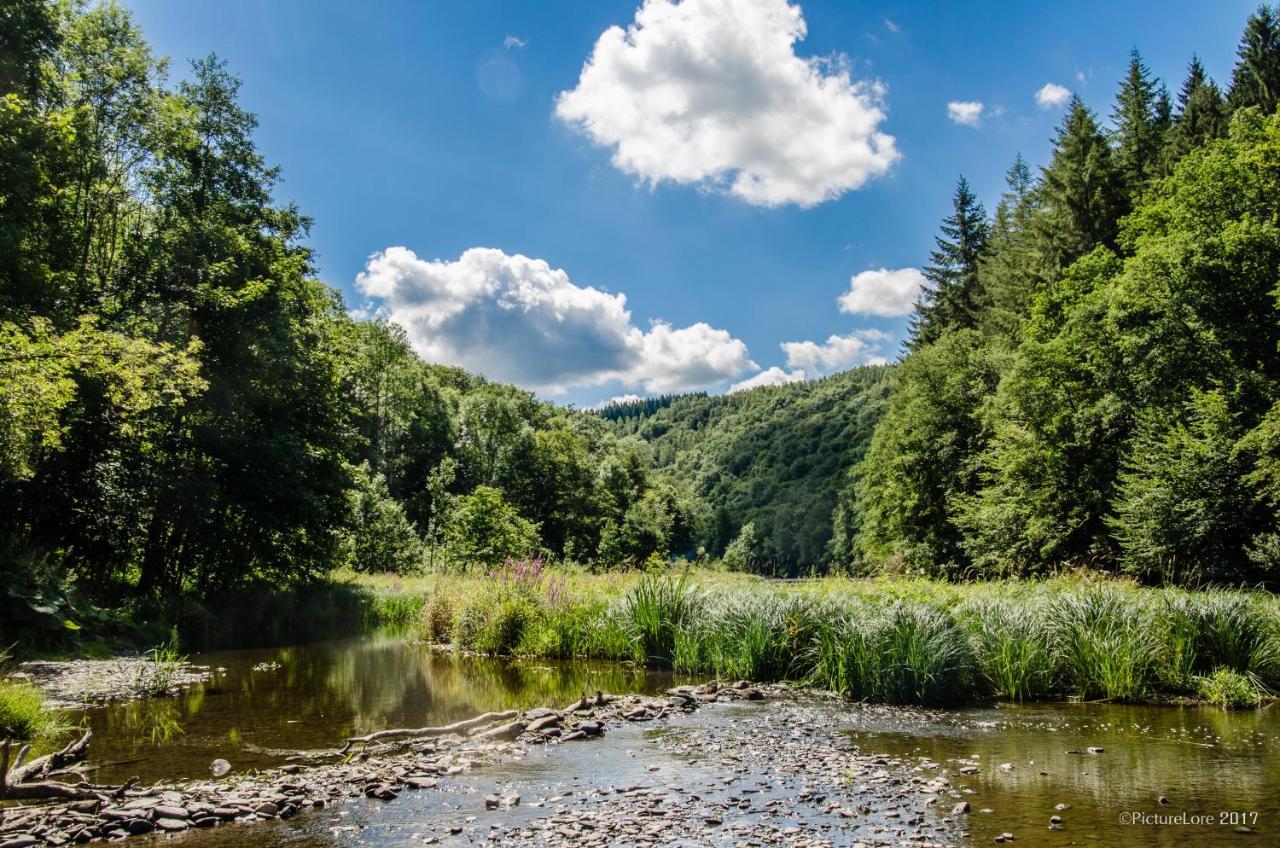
[[1228, 689], [437, 618]]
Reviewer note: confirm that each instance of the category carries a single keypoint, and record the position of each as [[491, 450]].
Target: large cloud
[[711, 92], [882, 292], [861, 347], [518, 319]]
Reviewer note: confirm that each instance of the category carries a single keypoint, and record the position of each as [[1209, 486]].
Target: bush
[[1228, 689], [437, 618]]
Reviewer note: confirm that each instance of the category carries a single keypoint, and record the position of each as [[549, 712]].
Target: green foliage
[[906, 653], [1013, 648], [1106, 647], [654, 611], [741, 551], [1228, 689], [775, 457], [382, 538], [485, 529], [25, 717]]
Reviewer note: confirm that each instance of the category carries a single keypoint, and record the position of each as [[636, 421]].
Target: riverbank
[[900, 641], [378, 766]]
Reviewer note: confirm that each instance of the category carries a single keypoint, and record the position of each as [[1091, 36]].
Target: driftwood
[[460, 727], [40, 767]]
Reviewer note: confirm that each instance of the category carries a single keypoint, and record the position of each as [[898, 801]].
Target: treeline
[[1092, 376], [768, 464], [185, 408]]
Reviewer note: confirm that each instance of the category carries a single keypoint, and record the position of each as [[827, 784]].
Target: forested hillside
[[771, 460], [185, 408], [1093, 380]]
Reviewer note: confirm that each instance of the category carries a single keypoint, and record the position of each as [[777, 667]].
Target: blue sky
[[498, 198]]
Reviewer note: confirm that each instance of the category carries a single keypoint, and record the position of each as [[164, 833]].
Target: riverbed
[[792, 770]]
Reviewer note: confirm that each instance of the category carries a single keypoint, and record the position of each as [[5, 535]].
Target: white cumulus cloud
[[967, 112], [517, 319], [774, 376], [883, 292], [512, 41], [712, 93], [861, 347], [1051, 94]]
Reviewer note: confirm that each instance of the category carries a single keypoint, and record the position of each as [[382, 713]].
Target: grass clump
[[437, 619], [1228, 689], [159, 672], [1012, 648], [653, 613], [26, 717], [907, 653], [1106, 647]]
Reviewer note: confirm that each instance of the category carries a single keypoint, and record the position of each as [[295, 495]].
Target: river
[[1188, 775]]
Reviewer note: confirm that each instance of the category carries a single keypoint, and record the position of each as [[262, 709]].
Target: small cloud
[[615, 400], [861, 347], [884, 292], [774, 376], [1051, 94], [512, 42], [891, 26], [1084, 76], [965, 112]]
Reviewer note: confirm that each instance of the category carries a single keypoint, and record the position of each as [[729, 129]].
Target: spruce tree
[[1256, 78], [1082, 191], [955, 299], [1202, 114], [1141, 117], [1008, 271]]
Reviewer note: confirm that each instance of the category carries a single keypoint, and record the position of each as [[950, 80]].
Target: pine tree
[[1082, 191], [955, 299], [1007, 271], [1202, 114], [1141, 116], [1256, 78]]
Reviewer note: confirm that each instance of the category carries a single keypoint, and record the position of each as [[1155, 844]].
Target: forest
[[1091, 378]]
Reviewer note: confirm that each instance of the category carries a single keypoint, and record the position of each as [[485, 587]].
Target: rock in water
[[219, 767]]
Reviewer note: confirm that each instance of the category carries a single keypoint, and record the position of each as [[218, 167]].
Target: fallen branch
[[40, 767], [47, 789], [459, 727]]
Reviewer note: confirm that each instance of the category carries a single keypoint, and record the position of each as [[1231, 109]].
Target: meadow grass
[[895, 640]]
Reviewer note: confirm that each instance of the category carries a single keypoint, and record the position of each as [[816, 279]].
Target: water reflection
[[1201, 760], [262, 705]]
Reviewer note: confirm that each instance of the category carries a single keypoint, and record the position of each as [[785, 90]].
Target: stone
[[266, 808], [219, 767], [1094, 749], [22, 840], [960, 809], [172, 825], [1055, 819], [139, 826], [164, 811]]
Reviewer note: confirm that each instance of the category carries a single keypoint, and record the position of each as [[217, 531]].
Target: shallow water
[[1221, 767], [254, 715], [1224, 767]]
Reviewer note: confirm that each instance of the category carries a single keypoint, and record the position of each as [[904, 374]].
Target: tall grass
[[907, 653], [25, 717], [654, 611], [906, 641], [1012, 647]]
